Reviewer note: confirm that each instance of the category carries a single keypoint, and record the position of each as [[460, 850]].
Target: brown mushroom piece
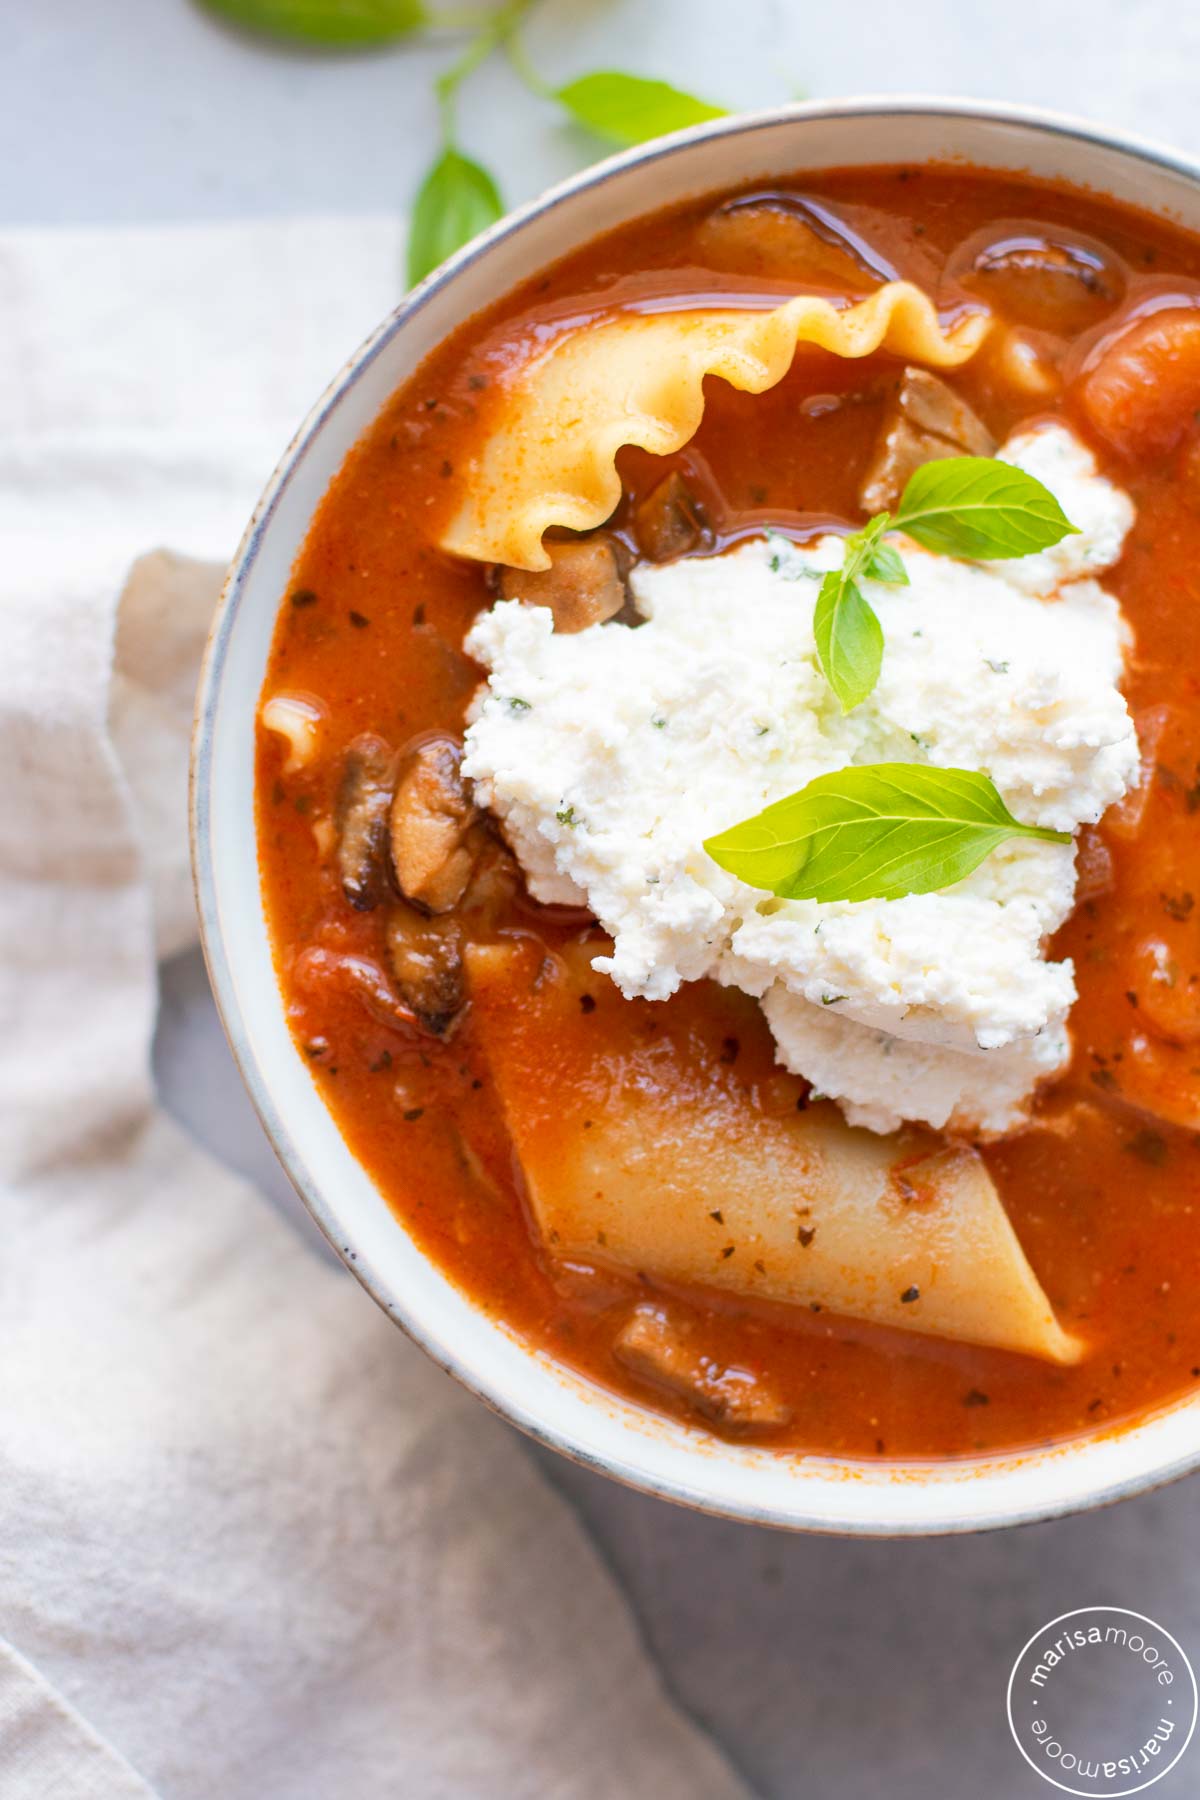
[[495, 879], [360, 819], [431, 822], [790, 237], [657, 1345], [668, 522], [1039, 275], [425, 957], [318, 969], [926, 421], [583, 586]]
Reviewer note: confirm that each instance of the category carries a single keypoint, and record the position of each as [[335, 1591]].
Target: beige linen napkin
[[252, 1544]]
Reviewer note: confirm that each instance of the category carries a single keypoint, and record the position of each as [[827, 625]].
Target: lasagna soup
[[729, 812]]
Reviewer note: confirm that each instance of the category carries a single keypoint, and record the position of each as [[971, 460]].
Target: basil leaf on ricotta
[[849, 639], [887, 565], [848, 634], [972, 507], [876, 832], [981, 509]]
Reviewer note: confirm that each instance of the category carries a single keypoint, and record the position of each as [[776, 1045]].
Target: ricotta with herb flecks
[[609, 756]]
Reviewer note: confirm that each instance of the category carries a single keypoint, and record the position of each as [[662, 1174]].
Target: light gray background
[[829, 1670]]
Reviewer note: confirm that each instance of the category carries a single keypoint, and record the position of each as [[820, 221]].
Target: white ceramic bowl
[[527, 1387]]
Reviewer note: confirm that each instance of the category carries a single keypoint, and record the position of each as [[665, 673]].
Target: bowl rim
[[1044, 121]]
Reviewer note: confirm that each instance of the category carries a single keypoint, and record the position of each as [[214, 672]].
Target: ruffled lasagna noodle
[[638, 378]]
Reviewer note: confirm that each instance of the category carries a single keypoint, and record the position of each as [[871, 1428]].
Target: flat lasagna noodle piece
[[638, 378], [649, 1153]]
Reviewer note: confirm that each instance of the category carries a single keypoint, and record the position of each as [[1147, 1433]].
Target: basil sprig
[[875, 832], [458, 198], [968, 506], [847, 629]]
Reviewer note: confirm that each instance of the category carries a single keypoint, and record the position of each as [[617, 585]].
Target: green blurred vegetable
[[458, 198], [456, 201], [336, 24], [627, 109]]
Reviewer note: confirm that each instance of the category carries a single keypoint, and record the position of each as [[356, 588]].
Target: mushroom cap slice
[[926, 421], [669, 521], [425, 958], [360, 819], [660, 1345], [583, 586], [431, 821]]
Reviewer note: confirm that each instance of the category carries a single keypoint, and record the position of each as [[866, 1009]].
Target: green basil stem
[[523, 69], [496, 31]]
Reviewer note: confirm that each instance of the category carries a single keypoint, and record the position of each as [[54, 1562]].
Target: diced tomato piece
[[1144, 392]]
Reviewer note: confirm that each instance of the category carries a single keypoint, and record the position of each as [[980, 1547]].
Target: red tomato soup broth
[[1103, 1187]]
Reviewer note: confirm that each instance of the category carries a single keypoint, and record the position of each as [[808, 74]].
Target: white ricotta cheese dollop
[[610, 755]]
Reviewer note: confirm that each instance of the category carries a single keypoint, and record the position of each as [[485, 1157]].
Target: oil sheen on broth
[[544, 1137]]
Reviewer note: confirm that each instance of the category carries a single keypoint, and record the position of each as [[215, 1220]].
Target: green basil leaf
[[884, 563], [339, 24], [876, 832], [861, 543], [628, 109], [977, 507], [456, 201], [849, 639]]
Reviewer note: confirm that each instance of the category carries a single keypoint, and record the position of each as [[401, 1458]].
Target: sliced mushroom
[[318, 969], [425, 957], [361, 821], [668, 522], [657, 1345], [495, 880], [1037, 274], [431, 820], [926, 421], [583, 586], [790, 237]]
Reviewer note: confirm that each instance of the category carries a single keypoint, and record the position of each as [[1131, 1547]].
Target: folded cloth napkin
[[252, 1544]]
